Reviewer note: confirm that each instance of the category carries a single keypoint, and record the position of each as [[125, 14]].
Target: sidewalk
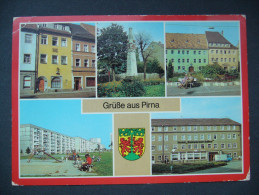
[[204, 91], [70, 94]]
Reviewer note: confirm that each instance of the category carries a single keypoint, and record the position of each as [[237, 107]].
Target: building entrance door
[[191, 69], [212, 156], [77, 83], [41, 85]]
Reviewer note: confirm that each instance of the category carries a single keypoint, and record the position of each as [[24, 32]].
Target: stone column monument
[[131, 56]]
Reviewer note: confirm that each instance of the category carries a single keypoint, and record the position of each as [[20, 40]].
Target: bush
[[108, 89], [212, 71], [134, 88], [153, 82], [161, 168], [170, 70]]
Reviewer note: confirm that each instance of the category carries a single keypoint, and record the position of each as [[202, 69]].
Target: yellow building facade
[[54, 60]]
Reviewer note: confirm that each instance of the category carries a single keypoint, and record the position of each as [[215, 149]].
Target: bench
[[191, 84]]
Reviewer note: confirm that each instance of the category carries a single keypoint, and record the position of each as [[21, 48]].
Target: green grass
[[155, 91], [103, 167]]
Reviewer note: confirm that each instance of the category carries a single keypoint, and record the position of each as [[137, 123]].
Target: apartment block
[[33, 137], [192, 140]]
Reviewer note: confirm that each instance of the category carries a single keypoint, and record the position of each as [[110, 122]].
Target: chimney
[[222, 33]]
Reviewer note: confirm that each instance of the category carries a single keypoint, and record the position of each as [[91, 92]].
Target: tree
[[112, 47], [170, 70], [28, 150], [143, 40]]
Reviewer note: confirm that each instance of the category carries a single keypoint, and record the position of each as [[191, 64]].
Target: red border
[[128, 180]]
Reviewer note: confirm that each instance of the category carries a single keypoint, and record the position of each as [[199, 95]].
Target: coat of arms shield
[[131, 143]]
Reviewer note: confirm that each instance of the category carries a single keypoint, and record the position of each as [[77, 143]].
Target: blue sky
[[78, 23], [64, 116], [230, 29], [155, 29], [218, 107]]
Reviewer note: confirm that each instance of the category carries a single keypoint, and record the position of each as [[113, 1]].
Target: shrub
[[134, 88], [153, 81], [161, 168], [170, 70], [211, 71], [108, 89]]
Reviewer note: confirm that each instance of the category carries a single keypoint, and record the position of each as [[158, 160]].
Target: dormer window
[[44, 25], [55, 26], [63, 27]]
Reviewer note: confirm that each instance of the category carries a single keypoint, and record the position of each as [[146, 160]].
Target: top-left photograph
[[57, 60]]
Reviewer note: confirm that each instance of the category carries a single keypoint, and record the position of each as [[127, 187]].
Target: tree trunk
[[113, 73], [145, 70]]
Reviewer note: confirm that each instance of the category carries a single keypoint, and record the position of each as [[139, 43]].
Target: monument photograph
[[130, 59]]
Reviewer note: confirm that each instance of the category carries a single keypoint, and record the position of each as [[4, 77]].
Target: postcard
[[129, 99]]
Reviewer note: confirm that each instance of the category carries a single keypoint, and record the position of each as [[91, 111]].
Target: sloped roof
[[29, 28], [216, 37], [186, 41], [195, 121], [54, 31], [89, 28], [78, 32]]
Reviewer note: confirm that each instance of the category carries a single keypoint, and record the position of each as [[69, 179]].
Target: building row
[[57, 57], [190, 52], [190, 140], [34, 137]]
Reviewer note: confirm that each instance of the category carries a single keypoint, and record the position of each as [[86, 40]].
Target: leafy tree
[[140, 67], [143, 40], [212, 71], [153, 66], [28, 150], [170, 70], [112, 48]]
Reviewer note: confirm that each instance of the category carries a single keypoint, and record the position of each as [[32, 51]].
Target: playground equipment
[[41, 150]]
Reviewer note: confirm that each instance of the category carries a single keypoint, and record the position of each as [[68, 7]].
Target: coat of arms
[[132, 143]]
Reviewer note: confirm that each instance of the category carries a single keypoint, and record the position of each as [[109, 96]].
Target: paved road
[[231, 167], [204, 91], [60, 95]]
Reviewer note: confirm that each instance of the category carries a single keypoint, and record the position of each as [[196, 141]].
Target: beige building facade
[[189, 140]]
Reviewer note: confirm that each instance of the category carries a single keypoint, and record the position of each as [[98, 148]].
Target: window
[[209, 136], [159, 128], [195, 146], [174, 156], [204, 60], [229, 136], [179, 60], [209, 127], [179, 67], [159, 138], [188, 60], [187, 52], [27, 82], [93, 63], [183, 52], [222, 145], [55, 26], [44, 39], [54, 59], [221, 59], [28, 38], [215, 136], [183, 146], [183, 60], [175, 137], [77, 46], [199, 60], [225, 59], [195, 137], [229, 145], [202, 136], [189, 146], [199, 52], [217, 59], [78, 62], [195, 128], [229, 59], [174, 128], [183, 137], [153, 128], [172, 59], [189, 128], [196, 155], [228, 127], [175, 146], [159, 147], [222, 136], [212, 51], [56, 82], [85, 48], [194, 52], [153, 148], [86, 63], [166, 147], [64, 60], [201, 128], [183, 128], [179, 52], [43, 58], [234, 59], [234, 136], [55, 41], [222, 127], [209, 145], [27, 58], [93, 49], [159, 157], [189, 137], [202, 146], [153, 138], [183, 67], [165, 128], [235, 154], [63, 42], [153, 158], [44, 25], [194, 60], [214, 127], [215, 146]]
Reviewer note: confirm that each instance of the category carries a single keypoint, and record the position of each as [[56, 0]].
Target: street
[[203, 91], [74, 94]]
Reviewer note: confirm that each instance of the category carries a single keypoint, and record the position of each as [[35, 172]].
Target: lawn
[[155, 91]]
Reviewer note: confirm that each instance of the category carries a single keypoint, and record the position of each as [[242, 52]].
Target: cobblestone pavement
[[204, 91]]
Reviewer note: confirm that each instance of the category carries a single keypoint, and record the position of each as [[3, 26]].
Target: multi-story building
[[28, 58], [192, 140], [54, 63], [187, 52], [221, 51], [33, 137], [84, 63]]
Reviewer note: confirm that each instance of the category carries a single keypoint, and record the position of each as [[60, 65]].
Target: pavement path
[[73, 94], [204, 91]]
